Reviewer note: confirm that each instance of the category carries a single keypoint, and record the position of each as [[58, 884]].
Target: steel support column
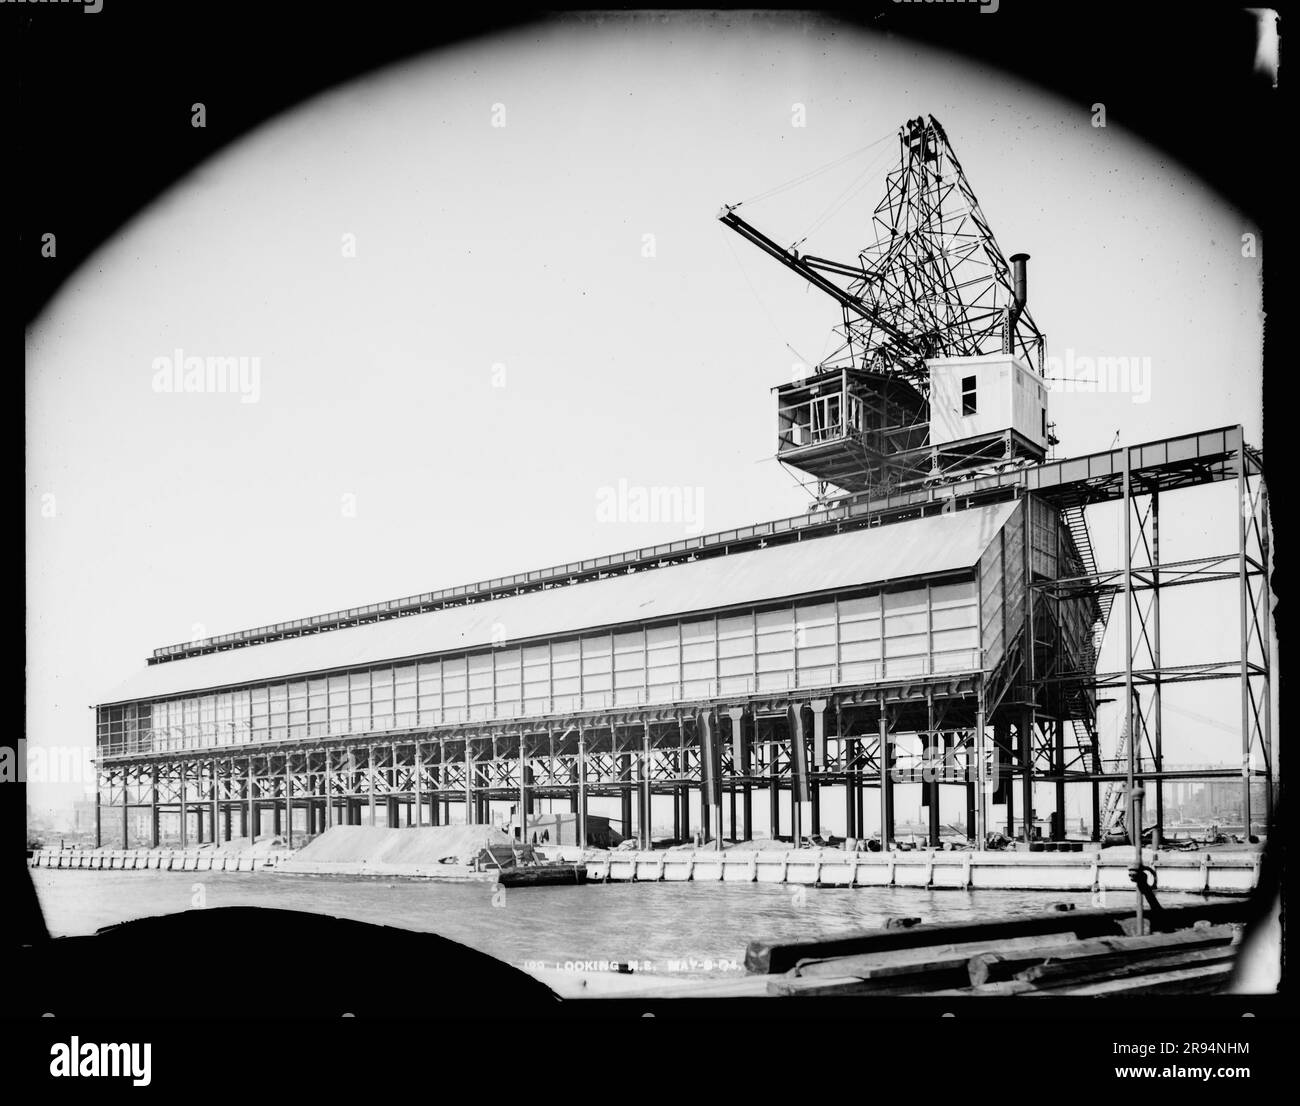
[[684, 789], [153, 807], [774, 785], [646, 793], [1156, 713], [471, 814], [886, 781], [1134, 817], [930, 788], [419, 786], [1244, 514], [818, 766], [288, 800], [370, 783], [625, 785], [250, 793], [1058, 767], [523, 789], [582, 788]]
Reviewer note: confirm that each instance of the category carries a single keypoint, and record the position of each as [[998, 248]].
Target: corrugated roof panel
[[941, 543]]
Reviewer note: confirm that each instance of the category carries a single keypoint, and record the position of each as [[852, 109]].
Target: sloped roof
[[898, 551]]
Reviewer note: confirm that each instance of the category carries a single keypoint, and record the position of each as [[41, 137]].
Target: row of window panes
[[765, 649]]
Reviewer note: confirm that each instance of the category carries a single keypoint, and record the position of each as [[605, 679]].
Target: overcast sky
[[447, 404]]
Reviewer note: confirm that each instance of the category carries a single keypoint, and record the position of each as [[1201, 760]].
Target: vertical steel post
[[774, 785], [647, 793], [1058, 769], [1134, 736], [981, 770], [1028, 716], [471, 815], [677, 796], [328, 785], [288, 799], [1266, 631], [250, 789], [931, 788], [850, 754], [684, 772], [1002, 730], [582, 788], [1159, 831], [799, 790], [625, 784], [739, 767], [818, 765], [370, 783], [419, 785], [153, 807], [1243, 518], [846, 751], [886, 783], [523, 788]]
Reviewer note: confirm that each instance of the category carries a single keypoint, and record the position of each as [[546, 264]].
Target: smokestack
[[1020, 282]]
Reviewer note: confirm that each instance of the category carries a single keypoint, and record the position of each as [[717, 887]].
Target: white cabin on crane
[[975, 397]]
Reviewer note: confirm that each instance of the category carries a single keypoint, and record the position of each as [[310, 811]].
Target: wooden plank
[[988, 967], [1186, 981], [1002, 987], [778, 957], [1062, 973], [880, 964], [823, 986]]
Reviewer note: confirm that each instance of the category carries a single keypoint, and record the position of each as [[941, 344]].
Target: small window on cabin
[[968, 395], [1043, 412]]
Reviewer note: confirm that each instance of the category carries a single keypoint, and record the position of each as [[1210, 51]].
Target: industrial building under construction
[[936, 616]]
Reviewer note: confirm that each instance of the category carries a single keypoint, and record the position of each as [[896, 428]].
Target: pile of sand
[[416, 845], [241, 846]]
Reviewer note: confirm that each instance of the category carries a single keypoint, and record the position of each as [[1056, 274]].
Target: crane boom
[[932, 283], [810, 269]]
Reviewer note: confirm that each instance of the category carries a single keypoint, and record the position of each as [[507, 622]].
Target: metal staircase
[[1110, 806], [1072, 514], [1082, 720]]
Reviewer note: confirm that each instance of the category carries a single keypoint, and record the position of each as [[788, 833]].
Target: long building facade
[[947, 639]]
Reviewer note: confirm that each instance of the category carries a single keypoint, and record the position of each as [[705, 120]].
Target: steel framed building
[[955, 627]]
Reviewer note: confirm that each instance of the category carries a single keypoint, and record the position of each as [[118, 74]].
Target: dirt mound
[[241, 846], [412, 845]]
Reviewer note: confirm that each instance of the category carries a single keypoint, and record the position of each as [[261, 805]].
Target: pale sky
[[515, 255]]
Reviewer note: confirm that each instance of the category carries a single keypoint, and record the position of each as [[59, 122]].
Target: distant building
[[562, 829], [83, 816]]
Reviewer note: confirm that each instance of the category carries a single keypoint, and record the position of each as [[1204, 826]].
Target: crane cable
[[842, 200], [815, 172]]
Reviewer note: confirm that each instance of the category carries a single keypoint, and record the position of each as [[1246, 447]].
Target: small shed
[[562, 829]]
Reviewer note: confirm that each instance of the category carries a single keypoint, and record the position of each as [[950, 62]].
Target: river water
[[687, 929]]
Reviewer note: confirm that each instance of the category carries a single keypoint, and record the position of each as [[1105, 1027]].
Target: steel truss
[[1137, 585]]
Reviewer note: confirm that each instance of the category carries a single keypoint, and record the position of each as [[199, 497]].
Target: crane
[[934, 283]]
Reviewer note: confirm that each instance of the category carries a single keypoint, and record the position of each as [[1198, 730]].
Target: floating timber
[[847, 956]]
